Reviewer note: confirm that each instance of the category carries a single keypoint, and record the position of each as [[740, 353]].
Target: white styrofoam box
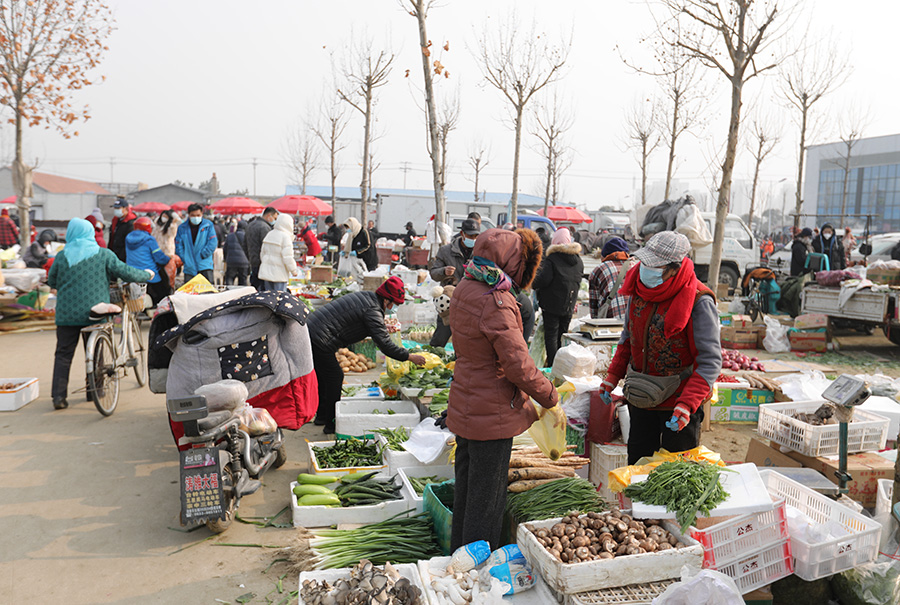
[[324, 516], [405, 473], [357, 417], [887, 407], [867, 432], [317, 470], [394, 460], [572, 578], [540, 593], [819, 560], [409, 277], [417, 314], [24, 392], [604, 458], [364, 393], [406, 570], [412, 392]]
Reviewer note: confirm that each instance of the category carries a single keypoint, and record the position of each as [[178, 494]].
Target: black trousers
[[160, 289], [207, 273], [649, 432], [254, 278], [441, 335], [330, 377], [66, 341], [554, 328], [479, 502], [238, 273]]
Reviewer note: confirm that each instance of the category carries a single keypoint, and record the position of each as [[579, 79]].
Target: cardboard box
[[722, 290], [735, 413], [890, 277], [738, 338], [760, 596], [809, 341], [733, 320], [761, 453], [811, 321], [738, 404]]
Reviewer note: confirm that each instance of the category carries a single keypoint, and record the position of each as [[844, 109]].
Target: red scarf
[[681, 287]]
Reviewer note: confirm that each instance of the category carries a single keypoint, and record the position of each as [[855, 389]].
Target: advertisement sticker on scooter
[[202, 496]]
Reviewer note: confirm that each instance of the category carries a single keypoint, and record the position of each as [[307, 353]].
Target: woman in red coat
[[98, 229], [313, 248]]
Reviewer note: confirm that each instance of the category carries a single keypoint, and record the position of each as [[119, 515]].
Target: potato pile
[[353, 362], [603, 536]]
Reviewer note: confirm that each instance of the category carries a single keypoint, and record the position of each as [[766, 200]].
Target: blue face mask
[[651, 277], [468, 243], [195, 220]]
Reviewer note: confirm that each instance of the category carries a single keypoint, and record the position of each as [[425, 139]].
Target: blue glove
[[353, 253], [681, 416], [605, 392], [342, 253]]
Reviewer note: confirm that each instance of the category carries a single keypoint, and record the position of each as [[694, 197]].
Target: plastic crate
[[867, 432], [740, 536], [441, 516], [814, 561], [883, 497], [762, 568], [604, 458], [633, 594]]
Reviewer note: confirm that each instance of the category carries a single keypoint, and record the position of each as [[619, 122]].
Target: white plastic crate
[[883, 497], [318, 470], [357, 417], [406, 570], [409, 492], [814, 561], [325, 516], [761, 568], [573, 578], [867, 432], [741, 536], [633, 594], [604, 458], [23, 392]]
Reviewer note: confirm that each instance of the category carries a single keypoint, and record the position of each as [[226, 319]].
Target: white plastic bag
[[776, 340], [224, 395], [573, 360], [707, 587], [427, 441], [804, 386], [689, 222], [578, 405], [344, 267]]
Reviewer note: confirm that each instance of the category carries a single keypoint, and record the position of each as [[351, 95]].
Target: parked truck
[[876, 309]]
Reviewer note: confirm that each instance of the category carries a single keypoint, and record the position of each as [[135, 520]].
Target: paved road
[[88, 503]]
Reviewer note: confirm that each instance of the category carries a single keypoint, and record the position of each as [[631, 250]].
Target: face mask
[[271, 222], [468, 243], [118, 212], [651, 277], [195, 220], [827, 236]]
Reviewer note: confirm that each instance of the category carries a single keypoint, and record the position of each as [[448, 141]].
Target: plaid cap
[[663, 248], [393, 290]]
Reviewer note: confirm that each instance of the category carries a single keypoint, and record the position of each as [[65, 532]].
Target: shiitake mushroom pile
[[595, 536]]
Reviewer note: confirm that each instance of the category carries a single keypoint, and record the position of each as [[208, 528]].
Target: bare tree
[[735, 38], [550, 123], [301, 154], [48, 52], [479, 158], [448, 120], [641, 136], [763, 137], [519, 63], [806, 78], [852, 123], [329, 129], [365, 71]]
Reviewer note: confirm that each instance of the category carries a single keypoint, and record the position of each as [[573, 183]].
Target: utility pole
[[254, 177], [405, 169], [112, 163]]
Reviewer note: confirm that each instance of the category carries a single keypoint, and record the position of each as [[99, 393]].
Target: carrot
[[523, 486], [522, 474]]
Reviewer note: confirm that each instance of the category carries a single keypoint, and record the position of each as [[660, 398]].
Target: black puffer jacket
[[253, 238], [235, 256], [559, 279], [833, 248], [364, 246], [349, 319]]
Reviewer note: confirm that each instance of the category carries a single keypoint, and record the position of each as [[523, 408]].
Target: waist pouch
[[646, 391]]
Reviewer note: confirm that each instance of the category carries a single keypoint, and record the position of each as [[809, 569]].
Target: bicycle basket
[[131, 295]]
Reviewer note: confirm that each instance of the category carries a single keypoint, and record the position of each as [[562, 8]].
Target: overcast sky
[[202, 86]]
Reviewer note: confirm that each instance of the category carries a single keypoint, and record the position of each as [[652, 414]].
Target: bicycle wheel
[[137, 350], [103, 379]]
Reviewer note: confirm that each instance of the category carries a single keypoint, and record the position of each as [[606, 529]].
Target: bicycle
[[107, 357]]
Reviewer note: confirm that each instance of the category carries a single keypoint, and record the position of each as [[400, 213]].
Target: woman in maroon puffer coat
[[493, 378]]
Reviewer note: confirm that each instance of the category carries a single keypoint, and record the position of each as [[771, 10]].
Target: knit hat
[[663, 248], [393, 290], [562, 236], [4, 212], [614, 244], [97, 214]]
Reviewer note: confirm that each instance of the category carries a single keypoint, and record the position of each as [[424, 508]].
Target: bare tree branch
[[479, 156], [301, 154], [641, 136], [329, 129], [852, 123], [550, 123], [763, 137]]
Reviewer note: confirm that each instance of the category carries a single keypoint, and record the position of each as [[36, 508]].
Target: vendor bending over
[[669, 352], [342, 322]]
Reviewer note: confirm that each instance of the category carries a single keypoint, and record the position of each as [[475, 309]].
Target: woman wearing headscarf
[[360, 244], [164, 229], [557, 285], [80, 275]]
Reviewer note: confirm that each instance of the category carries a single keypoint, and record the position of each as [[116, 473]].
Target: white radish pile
[[735, 360]]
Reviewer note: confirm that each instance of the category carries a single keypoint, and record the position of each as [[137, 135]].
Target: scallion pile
[[555, 499]]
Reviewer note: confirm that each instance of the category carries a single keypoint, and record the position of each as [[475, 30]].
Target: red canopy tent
[[304, 205], [8, 200], [236, 205], [181, 206], [150, 207], [566, 214]]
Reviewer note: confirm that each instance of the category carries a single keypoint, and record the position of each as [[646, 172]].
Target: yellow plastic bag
[[619, 478], [549, 431], [198, 285], [396, 369], [431, 361]]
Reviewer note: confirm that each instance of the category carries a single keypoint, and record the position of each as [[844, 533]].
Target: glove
[[606, 389], [353, 253], [343, 254], [681, 415], [441, 421]]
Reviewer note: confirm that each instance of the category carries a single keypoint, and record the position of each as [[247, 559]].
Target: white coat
[[276, 256]]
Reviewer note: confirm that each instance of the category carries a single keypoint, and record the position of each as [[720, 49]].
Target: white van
[[739, 250]]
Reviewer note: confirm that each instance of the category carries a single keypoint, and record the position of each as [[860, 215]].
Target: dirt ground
[[89, 506]]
